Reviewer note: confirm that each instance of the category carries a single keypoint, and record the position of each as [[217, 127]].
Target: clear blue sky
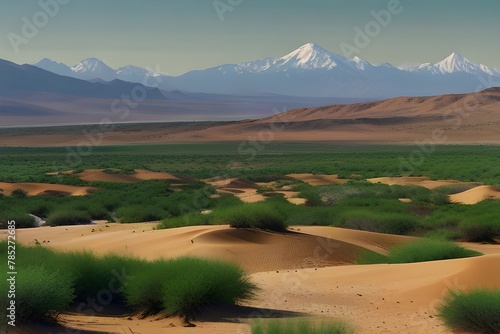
[[182, 35]]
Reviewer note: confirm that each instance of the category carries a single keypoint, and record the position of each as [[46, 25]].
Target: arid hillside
[[446, 119]]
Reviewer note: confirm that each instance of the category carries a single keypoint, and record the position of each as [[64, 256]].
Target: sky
[[176, 36]]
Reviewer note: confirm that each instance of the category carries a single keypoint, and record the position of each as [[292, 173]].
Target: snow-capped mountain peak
[[360, 63], [311, 56], [455, 63], [93, 68], [309, 71]]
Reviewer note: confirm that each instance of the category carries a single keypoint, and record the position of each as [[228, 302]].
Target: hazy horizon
[[179, 36]]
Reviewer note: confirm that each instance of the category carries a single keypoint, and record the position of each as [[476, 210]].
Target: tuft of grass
[[300, 326], [476, 311], [420, 250]]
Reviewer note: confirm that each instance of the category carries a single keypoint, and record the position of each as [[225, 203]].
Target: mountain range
[[30, 95], [24, 81], [309, 71], [90, 91]]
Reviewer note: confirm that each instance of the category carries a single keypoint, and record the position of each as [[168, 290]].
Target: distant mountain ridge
[[309, 71], [23, 81]]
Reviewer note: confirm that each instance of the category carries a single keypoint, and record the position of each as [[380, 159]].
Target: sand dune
[[377, 298], [138, 175], [318, 179], [243, 189], [377, 242], [417, 181], [254, 250], [307, 272], [38, 189], [476, 195]]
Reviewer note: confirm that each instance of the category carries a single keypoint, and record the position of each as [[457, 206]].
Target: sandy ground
[[36, 189], [417, 181], [476, 195], [138, 175], [405, 200], [247, 191], [292, 196], [318, 179], [269, 251], [244, 190], [307, 272]]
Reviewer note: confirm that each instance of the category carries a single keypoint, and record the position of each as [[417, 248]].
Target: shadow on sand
[[238, 314]]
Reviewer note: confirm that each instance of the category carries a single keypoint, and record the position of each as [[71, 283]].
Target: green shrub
[[22, 220], [299, 326], [255, 215], [62, 218], [40, 209], [398, 225], [480, 232], [92, 274], [476, 311], [420, 251], [145, 293], [123, 171], [319, 216], [19, 193], [194, 283], [370, 257], [442, 234], [42, 292], [140, 213], [181, 287]]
